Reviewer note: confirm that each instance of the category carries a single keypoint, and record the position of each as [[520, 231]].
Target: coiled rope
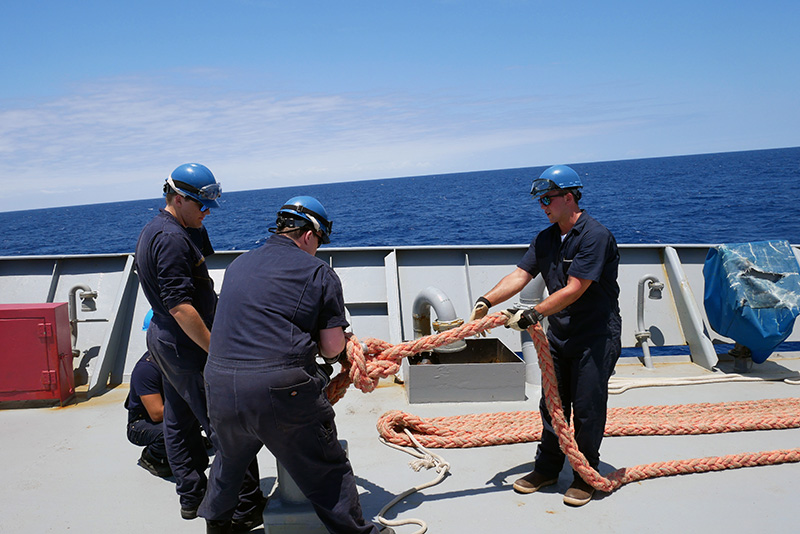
[[383, 360]]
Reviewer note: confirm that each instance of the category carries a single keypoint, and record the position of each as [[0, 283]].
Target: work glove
[[479, 312], [522, 319], [331, 361]]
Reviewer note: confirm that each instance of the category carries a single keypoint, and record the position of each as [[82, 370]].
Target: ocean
[[729, 197]]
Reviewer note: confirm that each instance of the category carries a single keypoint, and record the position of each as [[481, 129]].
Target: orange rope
[[504, 428], [577, 460], [383, 359], [477, 430]]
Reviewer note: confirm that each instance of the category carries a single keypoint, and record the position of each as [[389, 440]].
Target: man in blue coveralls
[[279, 307], [145, 405], [175, 279], [578, 259]]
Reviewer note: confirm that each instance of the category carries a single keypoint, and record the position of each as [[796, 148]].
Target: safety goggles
[[542, 186], [207, 192], [320, 223], [546, 200]]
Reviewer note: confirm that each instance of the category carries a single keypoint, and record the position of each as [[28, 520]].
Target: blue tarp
[[752, 293]]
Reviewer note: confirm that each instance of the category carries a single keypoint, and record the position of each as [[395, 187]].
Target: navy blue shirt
[[588, 251], [146, 379], [273, 303], [173, 270]]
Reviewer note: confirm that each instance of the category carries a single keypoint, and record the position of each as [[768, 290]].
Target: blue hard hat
[[555, 177], [195, 181], [308, 209]]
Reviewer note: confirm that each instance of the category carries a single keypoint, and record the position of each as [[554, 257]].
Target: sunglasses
[[546, 200], [203, 207]]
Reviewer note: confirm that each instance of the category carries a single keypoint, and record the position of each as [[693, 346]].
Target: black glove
[[522, 319], [336, 358]]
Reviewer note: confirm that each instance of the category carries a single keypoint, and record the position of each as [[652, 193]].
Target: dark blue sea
[[712, 198]]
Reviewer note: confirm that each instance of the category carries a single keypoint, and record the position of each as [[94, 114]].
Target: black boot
[[159, 468], [218, 527], [252, 520]]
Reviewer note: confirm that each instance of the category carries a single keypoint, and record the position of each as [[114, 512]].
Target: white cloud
[[117, 139]]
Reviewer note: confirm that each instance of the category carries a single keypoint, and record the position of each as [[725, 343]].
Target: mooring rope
[[383, 360], [505, 428], [623, 476]]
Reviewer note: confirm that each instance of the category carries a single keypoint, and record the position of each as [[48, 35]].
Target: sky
[[100, 100]]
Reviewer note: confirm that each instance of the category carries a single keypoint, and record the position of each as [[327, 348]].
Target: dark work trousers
[[150, 436], [583, 368], [185, 414], [286, 410]]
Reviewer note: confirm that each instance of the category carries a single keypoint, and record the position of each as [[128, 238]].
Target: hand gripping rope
[[477, 430]]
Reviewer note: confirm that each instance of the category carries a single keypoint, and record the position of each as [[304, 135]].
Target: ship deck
[[71, 469]]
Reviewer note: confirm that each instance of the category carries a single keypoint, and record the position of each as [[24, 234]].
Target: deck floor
[[71, 469]]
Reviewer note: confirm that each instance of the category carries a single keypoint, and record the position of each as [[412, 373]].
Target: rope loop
[[382, 359]]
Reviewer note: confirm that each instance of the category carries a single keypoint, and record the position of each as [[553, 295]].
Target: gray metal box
[[485, 371]]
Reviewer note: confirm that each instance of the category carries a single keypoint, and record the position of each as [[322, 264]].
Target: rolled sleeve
[[174, 260]]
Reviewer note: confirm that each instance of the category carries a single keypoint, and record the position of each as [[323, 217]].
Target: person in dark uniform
[[175, 279], [279, 308], [578, 259], [145, 405]]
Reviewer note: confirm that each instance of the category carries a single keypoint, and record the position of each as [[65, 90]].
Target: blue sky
[[100, 100]]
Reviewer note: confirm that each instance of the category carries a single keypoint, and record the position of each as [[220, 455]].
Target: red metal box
[[35, 352]]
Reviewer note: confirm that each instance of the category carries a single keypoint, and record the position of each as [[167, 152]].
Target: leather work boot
[[533, 482], [579, 493]]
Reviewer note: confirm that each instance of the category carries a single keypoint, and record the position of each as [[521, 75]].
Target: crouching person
[[145, 405]]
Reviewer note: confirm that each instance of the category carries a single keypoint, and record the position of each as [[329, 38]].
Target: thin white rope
[[620, 385], [425, 459]]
